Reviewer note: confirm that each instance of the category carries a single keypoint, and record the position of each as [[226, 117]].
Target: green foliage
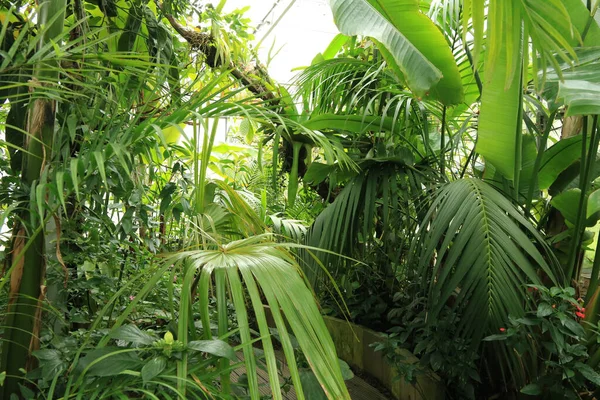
[[412, 40], [439, 350], [468, 250], [128, 172], [560, 344]]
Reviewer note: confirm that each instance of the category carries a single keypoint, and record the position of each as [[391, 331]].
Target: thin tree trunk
[[23, 316]]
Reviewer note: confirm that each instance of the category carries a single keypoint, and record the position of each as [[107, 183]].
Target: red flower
[[553, 305], [502, 329], [580, 314]]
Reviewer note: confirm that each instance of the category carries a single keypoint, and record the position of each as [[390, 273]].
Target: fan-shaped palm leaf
[[475, 246], [246, 271], [260, 266]]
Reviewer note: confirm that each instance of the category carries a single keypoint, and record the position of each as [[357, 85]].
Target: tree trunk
[[23, 316]]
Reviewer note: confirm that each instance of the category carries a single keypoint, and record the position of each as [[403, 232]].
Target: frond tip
[[475, 246]]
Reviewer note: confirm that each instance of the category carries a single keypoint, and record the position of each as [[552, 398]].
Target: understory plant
[[551, 337], [436, 346]]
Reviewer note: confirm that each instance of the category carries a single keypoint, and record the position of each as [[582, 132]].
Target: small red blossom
[[580, 314], [502, 329], [553, 305], [131, 298]]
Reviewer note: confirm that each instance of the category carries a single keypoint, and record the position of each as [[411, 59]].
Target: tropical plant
[[560, 342], [112, 99]]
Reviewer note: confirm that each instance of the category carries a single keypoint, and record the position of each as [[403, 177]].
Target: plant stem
[[443, 144], [23, 315], [538, 160], [588, 159]]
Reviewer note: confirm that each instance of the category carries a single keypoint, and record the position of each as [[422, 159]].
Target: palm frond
[[258, 263], [475, 247], [380, 194], [343, 85]]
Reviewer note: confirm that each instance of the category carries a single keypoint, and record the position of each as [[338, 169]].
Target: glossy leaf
[[107, 361], [335, 46], [499, 119], [217, 348], [133, 334], [581, 97], [557, 159], [153, 368], [532, 389], [418, 47]]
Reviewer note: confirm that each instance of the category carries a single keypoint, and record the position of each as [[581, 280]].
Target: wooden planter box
[[352, 343]]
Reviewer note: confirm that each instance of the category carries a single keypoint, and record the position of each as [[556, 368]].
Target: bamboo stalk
[[22, 325]]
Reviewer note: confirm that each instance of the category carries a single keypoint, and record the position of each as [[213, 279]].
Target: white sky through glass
[[305, 30]]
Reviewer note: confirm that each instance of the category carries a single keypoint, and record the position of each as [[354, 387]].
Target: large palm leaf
[[246, 271], [474, 245], [412, 42]]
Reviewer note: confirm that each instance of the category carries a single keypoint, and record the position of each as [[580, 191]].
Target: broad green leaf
[[133, 334], [335, 46], [217, 348], [51, 362], [575, 327], [589, 373], [532, 389], [60, 187], [557, 159], [107, 361], [567, 203], [581, 97], [100, 165], [499, 119], [584, 70], [580, 19], [544, 310], [132, 27], [496, 337], [346, 371], [247, 130], [318, 172], [311, 386], [429, 40], [593, 208], [417, 45], [75, 176], [153, 367]]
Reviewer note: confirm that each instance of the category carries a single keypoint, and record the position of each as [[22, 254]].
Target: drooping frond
[[476, 247], [259, 265]]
